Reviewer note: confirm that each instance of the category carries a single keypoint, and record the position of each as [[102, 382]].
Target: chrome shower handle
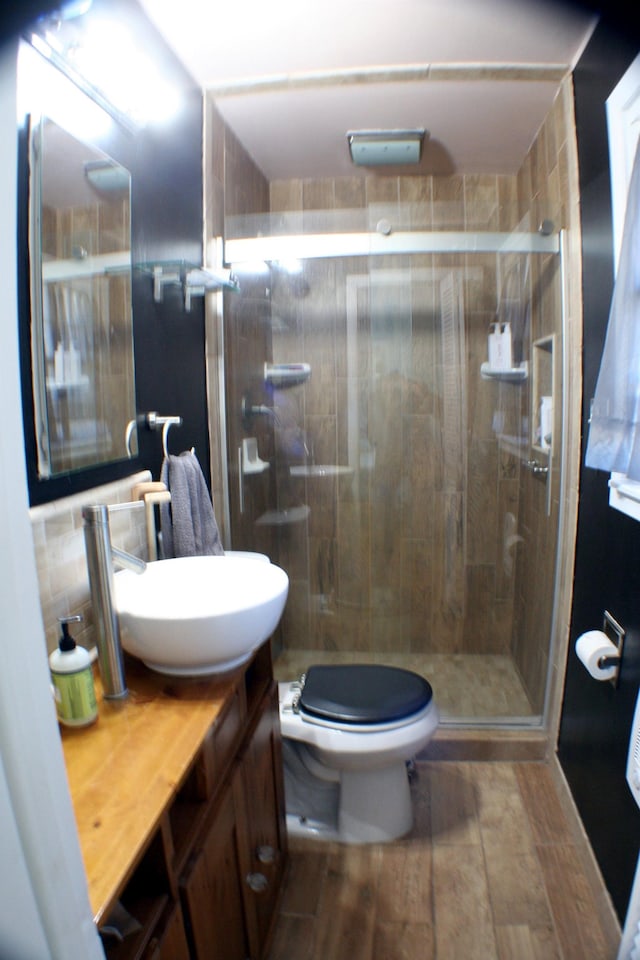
[[537, 469]]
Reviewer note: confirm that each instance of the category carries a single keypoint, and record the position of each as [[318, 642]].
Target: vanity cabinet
[[191, 846], [170, 942], [262, 801], [212, 885], [231, 885]]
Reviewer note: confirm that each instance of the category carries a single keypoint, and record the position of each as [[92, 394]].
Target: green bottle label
[[75, 697]]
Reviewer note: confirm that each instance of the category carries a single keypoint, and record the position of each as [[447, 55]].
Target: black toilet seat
[[363, 693]]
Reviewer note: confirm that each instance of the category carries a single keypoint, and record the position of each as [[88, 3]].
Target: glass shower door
[[399, 494]]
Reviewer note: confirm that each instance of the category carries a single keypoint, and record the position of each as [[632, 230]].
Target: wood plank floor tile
[[293, 938], [403, 941], [502, 815], [307, 871], [520, 942], [463, 921], [344, 928], [405, 884], [487, 873], [546, 816], [453, 804], [572, 904], [421, 800], [516, 888]]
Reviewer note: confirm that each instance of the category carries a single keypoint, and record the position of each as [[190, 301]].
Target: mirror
[[81, 316]]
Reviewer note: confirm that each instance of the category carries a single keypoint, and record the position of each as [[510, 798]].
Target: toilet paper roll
[[593, 645]]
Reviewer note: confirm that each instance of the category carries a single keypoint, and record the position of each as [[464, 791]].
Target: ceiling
[[291, 77]]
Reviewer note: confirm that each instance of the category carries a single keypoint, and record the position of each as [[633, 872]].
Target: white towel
[[188, 522]]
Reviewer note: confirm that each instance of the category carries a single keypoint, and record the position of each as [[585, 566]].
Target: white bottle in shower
[[58, 364]]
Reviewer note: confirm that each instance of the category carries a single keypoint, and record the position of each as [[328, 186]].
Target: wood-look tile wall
[[547, 186], [444, 546], [407, 555], [458, 561]]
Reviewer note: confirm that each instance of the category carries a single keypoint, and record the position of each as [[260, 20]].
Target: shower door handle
[[240, 483]]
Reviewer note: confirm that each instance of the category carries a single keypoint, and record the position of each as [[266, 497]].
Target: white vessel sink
[[195, 616]]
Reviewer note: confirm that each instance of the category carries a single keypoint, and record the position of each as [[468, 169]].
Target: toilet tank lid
[[363, 693]]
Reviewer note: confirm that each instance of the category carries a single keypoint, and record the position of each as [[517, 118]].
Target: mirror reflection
[[81, 323]]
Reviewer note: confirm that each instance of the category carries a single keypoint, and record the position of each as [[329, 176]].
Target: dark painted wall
[[596, 718], [165, 161]]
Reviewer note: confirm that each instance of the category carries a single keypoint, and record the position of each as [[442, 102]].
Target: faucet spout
[[101, 556], [127, 560]]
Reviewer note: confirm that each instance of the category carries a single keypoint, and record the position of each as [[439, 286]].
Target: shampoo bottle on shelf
[[72, 678]]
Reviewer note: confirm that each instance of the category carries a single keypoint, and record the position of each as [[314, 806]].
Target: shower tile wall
[[445, 546], [407, 560], [504, 570]]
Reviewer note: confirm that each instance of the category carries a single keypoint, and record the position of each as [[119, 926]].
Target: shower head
[[374, 148]]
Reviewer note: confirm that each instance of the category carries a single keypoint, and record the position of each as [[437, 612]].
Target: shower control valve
[[537, 469]]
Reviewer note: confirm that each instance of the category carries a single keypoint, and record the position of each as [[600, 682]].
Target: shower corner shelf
[[512, 375], [283, 517], [286, 374]]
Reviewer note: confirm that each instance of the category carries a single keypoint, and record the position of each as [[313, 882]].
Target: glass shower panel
[[402, 503]]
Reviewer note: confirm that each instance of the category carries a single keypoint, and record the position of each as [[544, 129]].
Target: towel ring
[[154, 420], [165, 433]]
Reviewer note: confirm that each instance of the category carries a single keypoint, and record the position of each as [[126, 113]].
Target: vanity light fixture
[[375, 148], [83, 48]]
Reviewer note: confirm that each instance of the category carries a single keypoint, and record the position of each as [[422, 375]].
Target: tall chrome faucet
[[101, 556]]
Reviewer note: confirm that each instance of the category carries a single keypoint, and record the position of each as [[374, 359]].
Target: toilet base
[[359, 806], [375, 805], [299, 826]]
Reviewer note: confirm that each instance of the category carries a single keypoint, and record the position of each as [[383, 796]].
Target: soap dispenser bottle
[[72, 678]]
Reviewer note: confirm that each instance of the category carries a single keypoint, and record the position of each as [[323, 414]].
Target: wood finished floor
[[490, 872]]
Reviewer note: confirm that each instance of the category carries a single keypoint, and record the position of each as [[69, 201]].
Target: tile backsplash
[[58, 539]]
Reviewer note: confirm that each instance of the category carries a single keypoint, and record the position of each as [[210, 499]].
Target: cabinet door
[[212, 889], [172, 943], [265, 847]]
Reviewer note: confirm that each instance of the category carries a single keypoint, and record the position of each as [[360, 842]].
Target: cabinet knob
[[266, 854], [257, 882]]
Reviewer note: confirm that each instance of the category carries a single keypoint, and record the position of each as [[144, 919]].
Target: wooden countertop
[[124, 770]]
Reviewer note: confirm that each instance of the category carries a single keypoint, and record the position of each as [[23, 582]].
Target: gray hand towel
[[189, 527]]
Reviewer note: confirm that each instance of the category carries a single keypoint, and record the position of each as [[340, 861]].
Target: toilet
[[349, 732]]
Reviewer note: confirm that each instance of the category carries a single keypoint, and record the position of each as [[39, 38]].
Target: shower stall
[[406, 476]]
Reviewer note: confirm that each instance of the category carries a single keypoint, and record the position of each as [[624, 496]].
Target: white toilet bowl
[[349, 732]]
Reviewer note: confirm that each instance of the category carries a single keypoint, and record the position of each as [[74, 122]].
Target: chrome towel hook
[[154, 420]]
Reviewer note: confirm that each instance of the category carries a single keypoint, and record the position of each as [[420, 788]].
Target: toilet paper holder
[[616, 633]]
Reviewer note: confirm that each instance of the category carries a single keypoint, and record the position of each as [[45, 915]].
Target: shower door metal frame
[[335, 245]]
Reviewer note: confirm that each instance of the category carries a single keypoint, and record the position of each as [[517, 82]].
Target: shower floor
[[467, 687]]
